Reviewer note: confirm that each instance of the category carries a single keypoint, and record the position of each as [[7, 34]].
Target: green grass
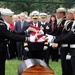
[[12, 67]]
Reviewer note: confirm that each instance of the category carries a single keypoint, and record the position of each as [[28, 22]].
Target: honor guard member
[[5, 19], [35, 48], [70, 39], [60, 13], [44, 24], [67, 48], [35, 19]]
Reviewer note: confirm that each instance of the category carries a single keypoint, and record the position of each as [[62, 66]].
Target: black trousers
[[47, 56], [72, 52], [66, 64], [19, 50], [36, 54], [12, 49], [2, 60], [36, 50]]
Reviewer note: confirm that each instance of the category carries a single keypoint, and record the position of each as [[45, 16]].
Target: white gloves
[[50, 38], [32, 38], [45, 48], [26, 49], [68, 56]]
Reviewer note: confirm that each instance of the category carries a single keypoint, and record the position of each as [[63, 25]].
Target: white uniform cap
[[61, 10], [7, 12], [71, 10], [43, 15], [35, 14]]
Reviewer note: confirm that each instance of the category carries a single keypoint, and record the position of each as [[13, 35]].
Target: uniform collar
[[36, 24], [7, 24], [43, 23]]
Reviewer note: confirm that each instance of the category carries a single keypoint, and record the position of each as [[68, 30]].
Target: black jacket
[[6, 34]]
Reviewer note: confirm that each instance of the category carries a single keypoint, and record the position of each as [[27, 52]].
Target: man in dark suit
[[21, 26]]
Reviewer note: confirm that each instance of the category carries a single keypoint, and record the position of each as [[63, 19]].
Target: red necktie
[[12, 26]]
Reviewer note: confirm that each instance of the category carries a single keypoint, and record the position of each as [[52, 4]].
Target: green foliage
[[48, 7], [12, 67]]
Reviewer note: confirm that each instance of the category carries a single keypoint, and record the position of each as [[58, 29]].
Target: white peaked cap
[[43, 14], [61, 10], [7, 12], [71, 10], [35, 13]]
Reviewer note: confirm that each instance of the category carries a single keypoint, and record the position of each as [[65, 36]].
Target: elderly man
[[6, 34]]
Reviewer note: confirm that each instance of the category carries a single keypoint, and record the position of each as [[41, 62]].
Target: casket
[[34, 67]]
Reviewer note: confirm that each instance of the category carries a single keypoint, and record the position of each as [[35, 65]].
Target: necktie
[[22, 24], [35, 25]]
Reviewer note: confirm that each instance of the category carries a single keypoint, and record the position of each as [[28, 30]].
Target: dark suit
[[6, 34], [20, 49]]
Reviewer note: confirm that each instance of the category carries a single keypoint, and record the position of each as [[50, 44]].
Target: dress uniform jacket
[[60, 26], [70, 39], [45, 27], [6, 34], [66, 64], [35, 48]]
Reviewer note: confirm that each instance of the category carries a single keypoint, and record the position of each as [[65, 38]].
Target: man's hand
[[54, 45], [50, 38], [33, 38]]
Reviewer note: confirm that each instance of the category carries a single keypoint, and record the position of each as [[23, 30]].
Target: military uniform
[[4, 35], [64, 50], [70, 39], [35, 48]]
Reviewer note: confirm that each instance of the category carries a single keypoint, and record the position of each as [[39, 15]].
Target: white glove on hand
[[73, 31], [26, 49], [68, 56], [32, 38], [50, 38], [45, 48]]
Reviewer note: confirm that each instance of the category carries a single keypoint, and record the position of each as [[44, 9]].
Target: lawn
[[12, 67]]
